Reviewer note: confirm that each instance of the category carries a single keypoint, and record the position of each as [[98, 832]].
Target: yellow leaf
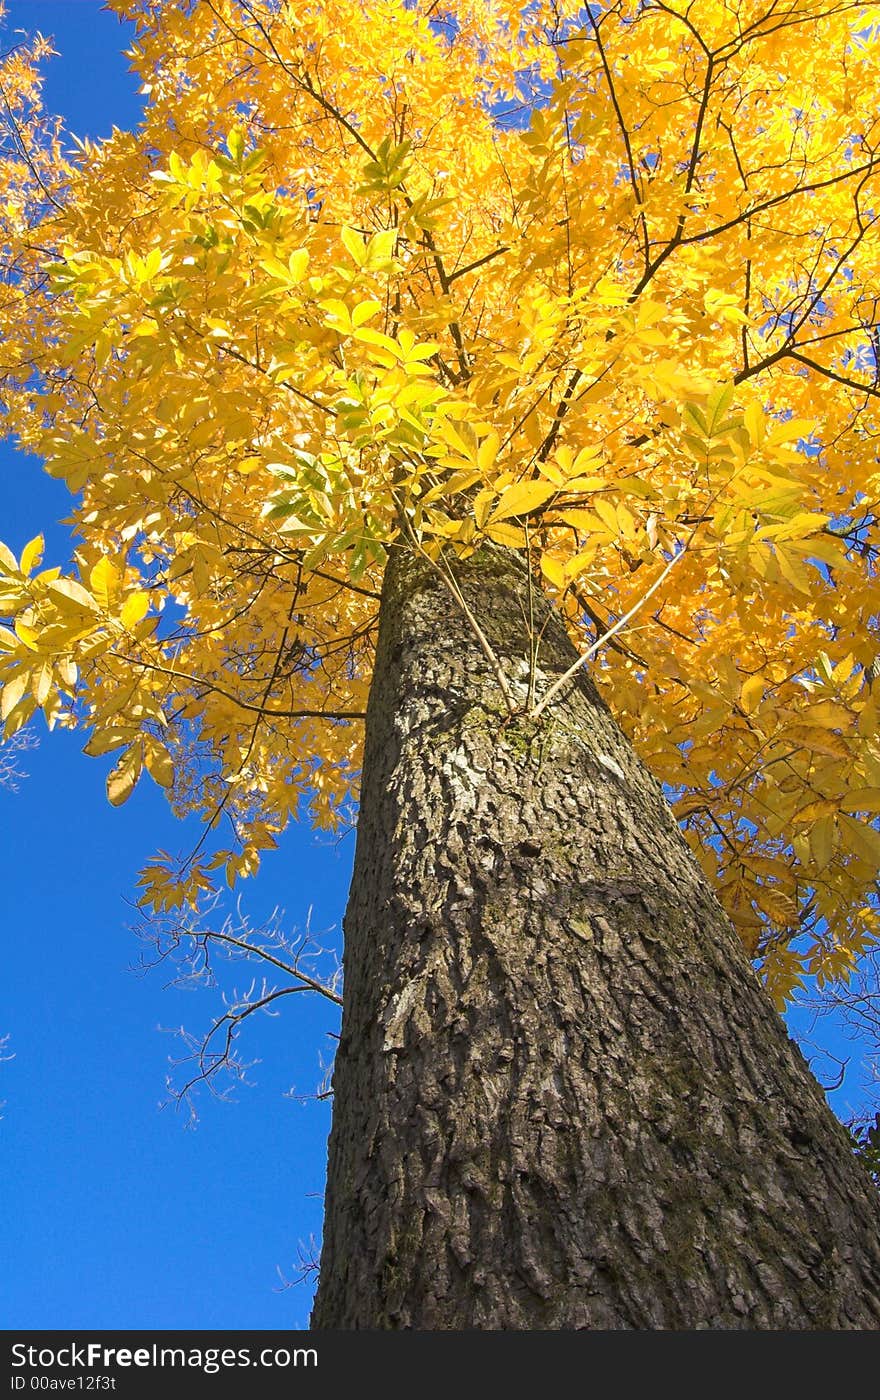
[[72, 592], [723, 307], [829, 715], [580, 562], [626, 523], [159, 763], [867, 723], [381, 247], [844, 669], [12, 692], [522, 498], [861, 800], [553, 570], [791, 431], [106, 740], [585, 521], [121, 780], [792, 569], [27, 634], [364, 311], [32, 554], [488, 451], [297, 264], [275, 268], [511, 536], [41, 683], [814, 811], [20, 715], [67, 672], [584, 458], [819, 740], [458, 481], [861, 839], [752, 693], [354, 244], [105, 580], [134, 608], [607, 514], [777, 905], [371, 337], [755, 423], [692, 802], [822, 839]]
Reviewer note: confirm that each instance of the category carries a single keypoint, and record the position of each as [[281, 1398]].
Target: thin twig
[[621, 622]]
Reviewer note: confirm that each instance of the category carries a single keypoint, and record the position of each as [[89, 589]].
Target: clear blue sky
[[111, 1213]]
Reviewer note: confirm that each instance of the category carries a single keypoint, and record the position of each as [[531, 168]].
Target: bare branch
[[194, 944], [10, 749]]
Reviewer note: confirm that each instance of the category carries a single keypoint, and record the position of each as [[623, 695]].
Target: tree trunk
[[562, 1099]]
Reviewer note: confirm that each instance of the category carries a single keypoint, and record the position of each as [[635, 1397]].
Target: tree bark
[[561, 1097]]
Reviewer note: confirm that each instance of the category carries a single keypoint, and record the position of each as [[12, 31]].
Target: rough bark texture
[[562, 1099]]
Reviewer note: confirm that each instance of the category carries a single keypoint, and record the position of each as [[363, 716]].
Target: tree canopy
[[596, 284]]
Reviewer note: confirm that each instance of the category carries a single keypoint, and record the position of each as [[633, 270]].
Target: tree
[[402, 371]]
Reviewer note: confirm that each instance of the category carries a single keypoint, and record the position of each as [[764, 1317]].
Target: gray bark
[[562, 1099]]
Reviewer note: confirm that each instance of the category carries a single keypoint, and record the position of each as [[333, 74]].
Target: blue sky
[[112, 1214]]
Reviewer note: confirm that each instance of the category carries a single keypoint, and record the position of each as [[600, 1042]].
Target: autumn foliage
[[595, 284]]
